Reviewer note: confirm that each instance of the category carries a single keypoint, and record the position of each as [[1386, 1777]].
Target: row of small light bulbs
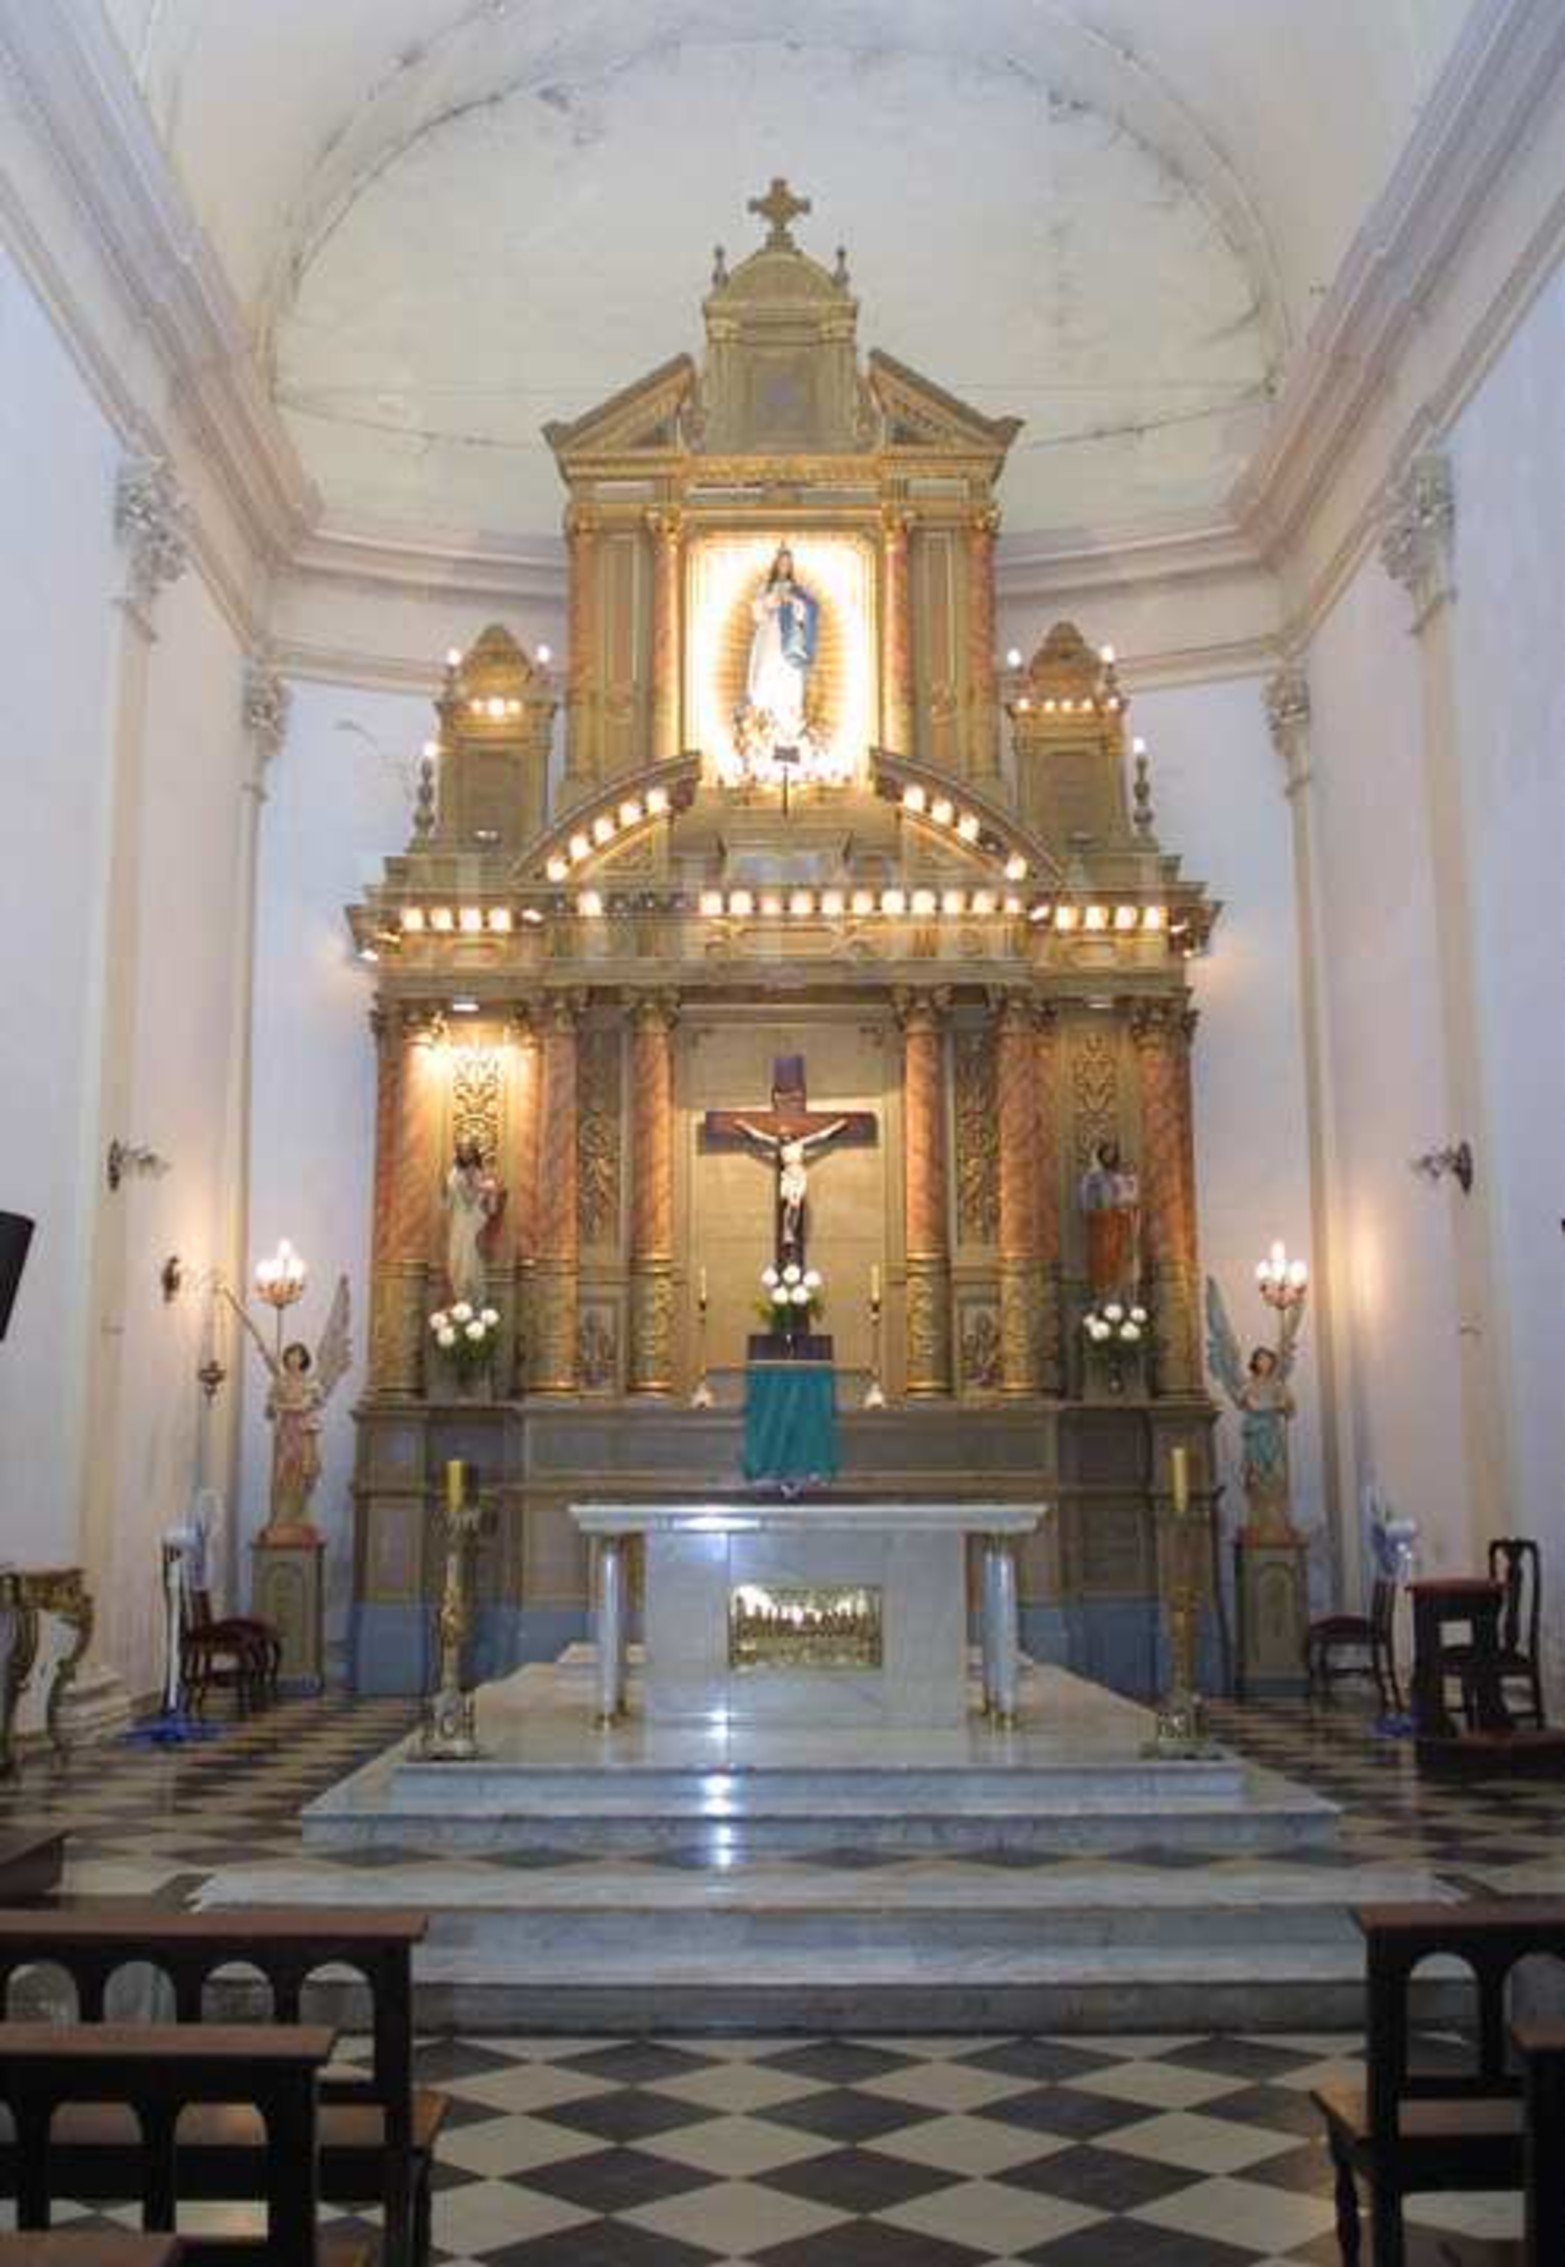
[[604, 828], [1089, 705], [807, 905], [965, 825]]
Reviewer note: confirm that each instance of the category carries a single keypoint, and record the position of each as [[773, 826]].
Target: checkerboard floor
[[797, 2152]]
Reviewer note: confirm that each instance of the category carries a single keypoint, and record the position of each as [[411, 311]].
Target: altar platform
[[670, 1877]]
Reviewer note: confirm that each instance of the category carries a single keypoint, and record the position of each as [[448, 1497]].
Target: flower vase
[[474, 1384]]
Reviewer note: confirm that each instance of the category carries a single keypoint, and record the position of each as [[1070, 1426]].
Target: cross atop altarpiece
[[789, 1133], [778, 208]]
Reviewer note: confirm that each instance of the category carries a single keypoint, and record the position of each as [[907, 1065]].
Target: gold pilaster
[[896, 640], [556, 1300], [407, 1122], [1015, 1065], [522, 1187], [1046, 1218], [1162, 1033], [581, 697], [982, 692], [664, 528], [652, 1196], [927, 1209]]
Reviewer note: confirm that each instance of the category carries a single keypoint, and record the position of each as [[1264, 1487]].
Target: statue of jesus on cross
[[788, 1133]]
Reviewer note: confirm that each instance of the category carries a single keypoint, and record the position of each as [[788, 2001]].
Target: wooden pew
[[90, 2247], [1541, 2047], [31, 1861], [377, 2132], [159, 2073], [1406, 2131]]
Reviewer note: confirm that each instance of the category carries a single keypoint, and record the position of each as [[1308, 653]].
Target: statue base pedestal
[[1272, 1611], [287, 1588]]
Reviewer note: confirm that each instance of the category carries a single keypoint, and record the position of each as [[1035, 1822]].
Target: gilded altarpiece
[[800, 812]]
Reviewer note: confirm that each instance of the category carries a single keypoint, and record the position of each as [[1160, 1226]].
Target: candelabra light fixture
[[280, 1282], [1456, 1159], [1284, 1282]]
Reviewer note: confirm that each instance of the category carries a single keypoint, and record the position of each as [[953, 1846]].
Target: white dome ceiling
[[452, 219]]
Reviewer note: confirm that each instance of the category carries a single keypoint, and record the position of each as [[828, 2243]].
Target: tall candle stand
[[450, 1721], [703, 1397], [874, 1392], [1179, 1728]]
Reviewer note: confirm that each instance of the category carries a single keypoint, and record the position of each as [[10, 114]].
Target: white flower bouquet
[[466, 1335], [791, 1297], [1115, 1324]]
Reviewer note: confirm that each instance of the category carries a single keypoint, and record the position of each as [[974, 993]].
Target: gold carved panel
[[477, 1096], [977, 1138], [599, 1139]]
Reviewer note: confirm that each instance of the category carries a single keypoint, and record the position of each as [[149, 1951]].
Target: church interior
[[779, 1197]]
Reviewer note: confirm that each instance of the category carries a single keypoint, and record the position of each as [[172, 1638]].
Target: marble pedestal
[[908, 1560]]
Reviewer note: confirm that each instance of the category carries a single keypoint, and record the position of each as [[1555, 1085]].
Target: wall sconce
[[127, 1157], [1436, 1163]]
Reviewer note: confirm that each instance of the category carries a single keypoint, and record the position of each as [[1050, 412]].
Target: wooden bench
[[31, 1862], [1541, 2047], [90, 2247], [159, 2074], [377, 2133], [1405, 2131]]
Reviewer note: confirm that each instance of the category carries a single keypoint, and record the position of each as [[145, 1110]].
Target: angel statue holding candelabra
[[301, 1384], [1261, 1392]]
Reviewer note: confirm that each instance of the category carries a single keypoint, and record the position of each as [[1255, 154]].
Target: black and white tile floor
[[795, 2152]]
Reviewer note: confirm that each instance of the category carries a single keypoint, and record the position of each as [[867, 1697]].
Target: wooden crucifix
[[789, 1133]]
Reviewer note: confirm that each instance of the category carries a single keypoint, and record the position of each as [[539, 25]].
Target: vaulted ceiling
[[450, 220]]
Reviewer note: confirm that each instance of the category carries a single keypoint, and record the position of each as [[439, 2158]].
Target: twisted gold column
[[927, 1215], [983, 703], [1162, 1033], [1046, 1182], [652, 1197], [522, 1187], [1015, 1065], [896, 644], [581, 713], [664, 527], [555, 1275]]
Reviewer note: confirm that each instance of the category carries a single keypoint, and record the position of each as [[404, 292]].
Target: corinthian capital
[[152, 521], [1420, 525], [1287, 699], [263, 705]]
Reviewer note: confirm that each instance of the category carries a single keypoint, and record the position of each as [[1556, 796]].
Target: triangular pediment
[[643, 417], [921, 415]]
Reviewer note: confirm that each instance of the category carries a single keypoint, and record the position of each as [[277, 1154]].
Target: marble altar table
[[812, 1612]]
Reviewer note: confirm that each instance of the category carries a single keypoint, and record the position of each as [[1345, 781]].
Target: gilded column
[[385, 1327], [664, 527], [1046, 1184], [652, 1197], [1162, 1034], [522, 1186], [928, 1212], [896, 642], [581, 713], [982, 693], [1015, 1069], [409, 1214], [555, 1287]]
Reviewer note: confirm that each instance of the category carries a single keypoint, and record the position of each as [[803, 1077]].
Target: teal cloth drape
[[790, 1421]]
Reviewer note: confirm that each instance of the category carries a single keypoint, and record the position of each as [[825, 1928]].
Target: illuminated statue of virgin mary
[[782, 653]]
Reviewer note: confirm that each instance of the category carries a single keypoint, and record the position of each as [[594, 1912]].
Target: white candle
[[874, 1283], [1179, 1473], [701, 1285]]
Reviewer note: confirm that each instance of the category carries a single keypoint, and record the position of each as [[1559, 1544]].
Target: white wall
[[57, 635], [1219, 802], [1386, 1071], [337, 805], [1509, 453]]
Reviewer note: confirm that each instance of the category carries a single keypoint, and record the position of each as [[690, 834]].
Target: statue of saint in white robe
[[782, 653]]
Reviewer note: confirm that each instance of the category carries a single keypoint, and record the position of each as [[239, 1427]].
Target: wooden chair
[[377, 2133], [1369, 1641], [1541, 2048], [50, 2073], [1515, 1562], [238, 1653], [1404, 2131]]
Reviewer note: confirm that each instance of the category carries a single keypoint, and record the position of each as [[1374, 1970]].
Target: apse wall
[[123, 965], [56, 570]]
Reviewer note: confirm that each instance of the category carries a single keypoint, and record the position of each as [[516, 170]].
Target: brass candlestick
[[1179, 1730], [450, 1722], [874, 1392], [702, 1398]]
